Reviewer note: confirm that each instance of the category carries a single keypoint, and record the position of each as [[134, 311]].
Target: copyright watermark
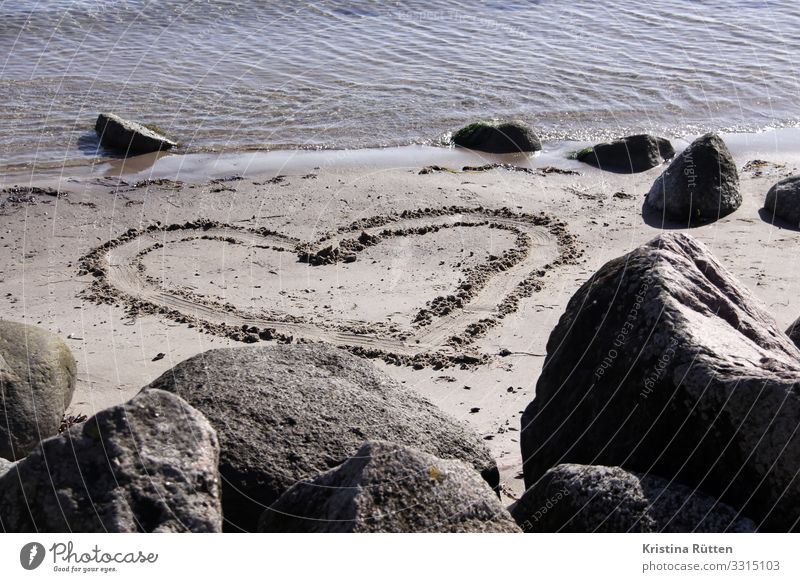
[[67, 558]]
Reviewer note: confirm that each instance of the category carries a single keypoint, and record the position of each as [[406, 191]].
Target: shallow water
[[781, 146], [232, 75]]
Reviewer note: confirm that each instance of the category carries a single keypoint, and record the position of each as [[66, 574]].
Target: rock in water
[[286, 413], [145, 466], [386, 487], [663, 363], [584, 498], [498, 138], [128, 136], [783, 200], [700, 185], [632, 154], [37, 379]]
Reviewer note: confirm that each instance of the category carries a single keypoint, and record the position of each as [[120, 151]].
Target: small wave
[[228, 75]]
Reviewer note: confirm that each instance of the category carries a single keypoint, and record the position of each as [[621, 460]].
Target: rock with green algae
[[498, 137]]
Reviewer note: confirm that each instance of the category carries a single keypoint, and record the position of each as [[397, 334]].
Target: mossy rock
[[498, 137], [37, 379]]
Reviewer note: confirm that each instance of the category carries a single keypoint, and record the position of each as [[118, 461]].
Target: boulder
[[632, 154], [149, 465], [783, 200], [498, 137], [699, 186], [663, 363], [129, 137], [5, 466], [794, 332], [37, 379], [386, 487], [288, 412], [588, 498]]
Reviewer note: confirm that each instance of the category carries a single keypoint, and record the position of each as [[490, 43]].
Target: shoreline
[[781, 144]]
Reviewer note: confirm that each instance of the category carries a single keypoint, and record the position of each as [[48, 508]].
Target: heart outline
[[446, 351]]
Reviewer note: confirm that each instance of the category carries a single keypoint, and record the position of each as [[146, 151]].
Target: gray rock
[[5, 466], [386, 487], [498, 137], [288, 412], [699, 186], [783, 200], [632, 154], [664, 363], [129, 137], [37, 379], [588, 498], [149, 465]]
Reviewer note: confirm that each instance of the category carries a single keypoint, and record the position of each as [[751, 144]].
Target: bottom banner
[[437, 556]]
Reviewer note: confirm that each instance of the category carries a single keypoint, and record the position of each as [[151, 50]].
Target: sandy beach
[[140, 271]]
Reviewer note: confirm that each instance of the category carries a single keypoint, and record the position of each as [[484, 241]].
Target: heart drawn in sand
[[416, 287]]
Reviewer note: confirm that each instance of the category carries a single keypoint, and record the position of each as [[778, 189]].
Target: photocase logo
[[31, 555]]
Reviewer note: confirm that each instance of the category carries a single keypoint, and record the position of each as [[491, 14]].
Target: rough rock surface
[[632, 154], [590, 498], [128, 136], [699, 186], [37, 379], [386, 487], [663, 363], [288, 412], [794, 332], [144, 466], [498, 137], [783, 200], [4, 466]]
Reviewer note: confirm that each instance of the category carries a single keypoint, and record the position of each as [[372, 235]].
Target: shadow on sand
[[769, 217], [658, 219]]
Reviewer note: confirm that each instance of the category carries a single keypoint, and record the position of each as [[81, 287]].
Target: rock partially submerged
[[149, 465], [386, 487], [37, 379], [129, 137], [664, 363], [701, 184], [498, 137], [584, 498], [632, 154], [783, 200], [286, 413]]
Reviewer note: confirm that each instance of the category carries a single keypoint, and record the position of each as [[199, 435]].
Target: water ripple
[[233, 74]]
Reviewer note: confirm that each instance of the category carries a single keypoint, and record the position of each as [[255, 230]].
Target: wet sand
[[450, 281]]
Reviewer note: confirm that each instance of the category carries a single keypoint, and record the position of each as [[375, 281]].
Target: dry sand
[[236, 264]]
